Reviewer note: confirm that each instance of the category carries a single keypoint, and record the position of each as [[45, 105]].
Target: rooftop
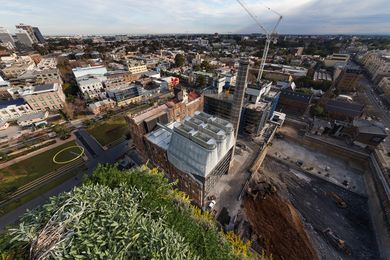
[[15, 102], [41, 89], [138, 118], [370, 127], [37, 115], [199, 143]]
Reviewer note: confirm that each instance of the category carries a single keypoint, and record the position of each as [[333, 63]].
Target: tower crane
[[270, 36]]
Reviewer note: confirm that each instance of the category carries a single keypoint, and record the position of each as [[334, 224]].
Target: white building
[[91, 70], [13, 109], [91, 86]]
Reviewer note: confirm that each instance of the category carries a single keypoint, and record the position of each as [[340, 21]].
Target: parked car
[[211, 205]]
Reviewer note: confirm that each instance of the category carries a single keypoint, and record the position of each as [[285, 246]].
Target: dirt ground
[[278, 228], [311, 197]]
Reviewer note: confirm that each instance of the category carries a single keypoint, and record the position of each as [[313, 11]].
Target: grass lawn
[[39, 191], [69, 154], [23, 172], [109, 130]]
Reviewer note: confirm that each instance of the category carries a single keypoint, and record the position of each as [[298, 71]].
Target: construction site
[[293, 194]]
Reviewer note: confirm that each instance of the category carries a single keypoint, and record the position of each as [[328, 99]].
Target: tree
[[201, 80], [135, 214], [317, 110], [179, 60]]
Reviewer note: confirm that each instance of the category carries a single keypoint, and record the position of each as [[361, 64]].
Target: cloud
[[208, 16]]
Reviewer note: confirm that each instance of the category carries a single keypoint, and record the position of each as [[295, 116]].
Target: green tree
[[179, 60], [201, 80], [317, 110], [134, 214]]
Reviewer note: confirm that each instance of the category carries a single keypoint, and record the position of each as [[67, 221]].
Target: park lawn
[[40, 190], [109, 130], [23, 172]]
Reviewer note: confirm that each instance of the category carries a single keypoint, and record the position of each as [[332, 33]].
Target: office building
[[125, 95], [13, 109], [36, 77], [344, 110], [377, 64], [35, 118], [91, 86], [182, 105], [91, 70], [45, 97], [119, 78], [101, 106], [24, 39], [33, 32], [384, 85], [291, 102], [6, 37], [18, 67], [195, 152], [38, 35], [135, 68], [348, 78], [336, 59]]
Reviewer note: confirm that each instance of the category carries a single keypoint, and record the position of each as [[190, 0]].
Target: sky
[[62, 17]]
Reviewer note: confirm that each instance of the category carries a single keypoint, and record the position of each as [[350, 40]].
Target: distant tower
[[24, 39], [6, 37], [33, 32], [239, 92]]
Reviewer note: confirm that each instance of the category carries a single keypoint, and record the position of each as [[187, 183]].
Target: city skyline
[[172, 16]]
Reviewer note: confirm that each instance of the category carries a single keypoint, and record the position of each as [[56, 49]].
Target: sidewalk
[[23, 157]]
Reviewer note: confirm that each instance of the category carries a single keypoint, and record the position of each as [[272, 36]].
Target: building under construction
[[247, 109], [195, 152]]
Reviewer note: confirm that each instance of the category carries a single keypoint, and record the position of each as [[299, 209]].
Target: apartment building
[[45, 97]]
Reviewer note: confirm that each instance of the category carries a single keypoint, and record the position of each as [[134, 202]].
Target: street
[[376, 110]]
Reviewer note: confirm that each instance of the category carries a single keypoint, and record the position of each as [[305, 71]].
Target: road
[[95, 154], [229, 187], [378, 112]]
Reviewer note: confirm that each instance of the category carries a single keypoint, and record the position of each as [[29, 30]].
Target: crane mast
[[269, 36]]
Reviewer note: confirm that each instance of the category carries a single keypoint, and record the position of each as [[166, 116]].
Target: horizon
[[97, 17]]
